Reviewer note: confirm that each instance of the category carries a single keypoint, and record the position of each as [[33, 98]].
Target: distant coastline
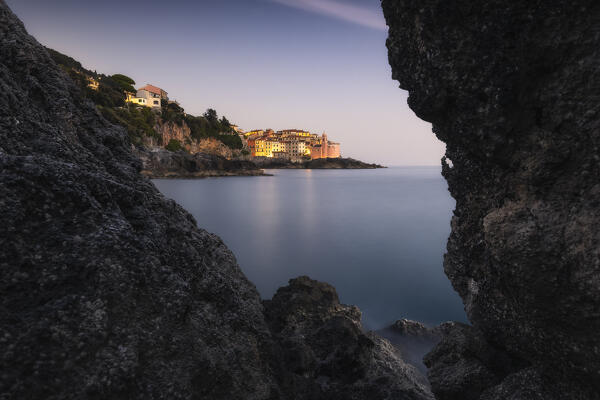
[[161, 164], [320, 163]]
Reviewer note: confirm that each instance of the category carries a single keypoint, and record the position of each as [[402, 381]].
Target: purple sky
[[319, 65]]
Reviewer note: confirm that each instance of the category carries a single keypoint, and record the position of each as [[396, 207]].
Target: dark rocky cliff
[[513, 89], [110, 291], [325, 353], [161, 163]]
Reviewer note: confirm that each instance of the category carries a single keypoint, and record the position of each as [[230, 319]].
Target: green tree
[[231, 141], [211, 116], [123, 79], [123, 82], [174, 145]]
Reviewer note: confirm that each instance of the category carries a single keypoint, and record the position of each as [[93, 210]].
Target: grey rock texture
[[110, 291], [326, 353], [513, 89], [161, 163], [464, 364], [413, 339]]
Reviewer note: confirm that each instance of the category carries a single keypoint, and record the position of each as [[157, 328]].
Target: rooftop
[[152, 89]]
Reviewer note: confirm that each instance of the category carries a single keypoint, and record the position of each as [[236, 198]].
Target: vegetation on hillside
[[173, 145], [140, 121]]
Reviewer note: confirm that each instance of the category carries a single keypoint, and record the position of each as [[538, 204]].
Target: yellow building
[[148, 96], [294, 132], [254, 133], [131, 98], [93, 83], [292, 144]]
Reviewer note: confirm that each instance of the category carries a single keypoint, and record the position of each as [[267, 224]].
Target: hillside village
[[294, 145], [155, 121]]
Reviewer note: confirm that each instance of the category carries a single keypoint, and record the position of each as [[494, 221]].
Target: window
[[155, 101]]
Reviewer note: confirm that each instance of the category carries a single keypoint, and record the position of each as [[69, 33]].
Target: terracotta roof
[[151, 89]]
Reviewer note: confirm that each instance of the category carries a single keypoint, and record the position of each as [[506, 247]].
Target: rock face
[[161, 163], [110, 291], [326, 353], [413, 340], [213, 146], [170, 130], [512, 88]]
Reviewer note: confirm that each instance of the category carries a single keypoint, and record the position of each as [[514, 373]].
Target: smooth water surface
[[378, 236]]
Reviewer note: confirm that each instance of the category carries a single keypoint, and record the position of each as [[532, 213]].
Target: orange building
[[325, 149]]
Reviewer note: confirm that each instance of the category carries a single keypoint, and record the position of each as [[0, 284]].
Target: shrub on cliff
[[106, 95], [209, 125], [174, 145], [139, 121], [231, 141], [171, 112]]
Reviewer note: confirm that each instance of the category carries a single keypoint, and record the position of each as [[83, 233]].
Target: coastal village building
[[325, 149], [148, 96], [237, 130], [254, 134], [93, 83], [292, 144]]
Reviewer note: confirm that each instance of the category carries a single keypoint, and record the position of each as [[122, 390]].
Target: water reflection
[[377, 235]]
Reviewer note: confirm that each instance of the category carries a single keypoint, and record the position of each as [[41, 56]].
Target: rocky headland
[[111, 291], [319, 163], [161, 163], [174, 144], [512, 88]]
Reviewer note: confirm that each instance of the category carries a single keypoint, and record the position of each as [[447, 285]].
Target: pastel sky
[[319, 65]]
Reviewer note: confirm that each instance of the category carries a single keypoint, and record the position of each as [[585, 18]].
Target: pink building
[[325, 149]]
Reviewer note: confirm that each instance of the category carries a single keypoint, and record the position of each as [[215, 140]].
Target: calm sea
[[378, 236]]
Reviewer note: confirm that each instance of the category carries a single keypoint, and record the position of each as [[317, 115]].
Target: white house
[[148, 96]]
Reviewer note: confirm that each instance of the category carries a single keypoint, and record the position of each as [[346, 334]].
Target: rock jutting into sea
[[319, 163], [161, 163], [512, 88]]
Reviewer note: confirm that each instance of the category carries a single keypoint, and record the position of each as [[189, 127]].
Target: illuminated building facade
[[292, 144], [325, 149], [148, 96]]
